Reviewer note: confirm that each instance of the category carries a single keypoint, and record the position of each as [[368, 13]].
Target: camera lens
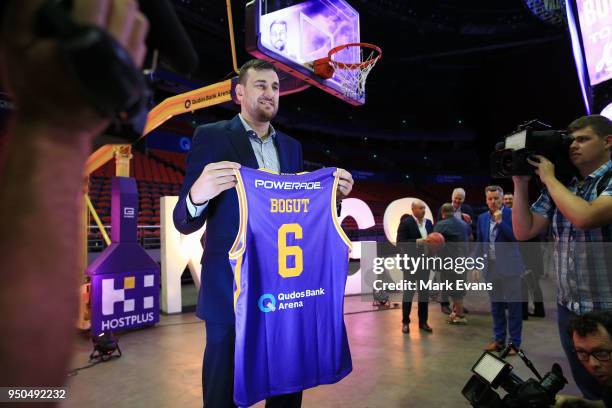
[[507, 163]]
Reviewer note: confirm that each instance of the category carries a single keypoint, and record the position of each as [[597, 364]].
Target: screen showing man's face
[[278, 35]]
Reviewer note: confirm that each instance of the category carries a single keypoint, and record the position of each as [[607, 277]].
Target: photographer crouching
[[575, 213], [591, 336]]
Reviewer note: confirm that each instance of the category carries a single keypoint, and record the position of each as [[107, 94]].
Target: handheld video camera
[[532, 138], [492, 372]]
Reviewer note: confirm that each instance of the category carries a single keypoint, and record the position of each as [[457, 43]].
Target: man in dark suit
[[456, 232], [414, 229], [503, 269], [207, 195], [464, 212]]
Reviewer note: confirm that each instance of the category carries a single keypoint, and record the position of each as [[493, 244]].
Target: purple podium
[[124, 278]]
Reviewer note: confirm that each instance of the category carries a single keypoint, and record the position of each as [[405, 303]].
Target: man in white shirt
[[414, 229]]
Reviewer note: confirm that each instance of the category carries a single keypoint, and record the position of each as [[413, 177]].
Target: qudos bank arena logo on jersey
[[267, 303], [291, 300]]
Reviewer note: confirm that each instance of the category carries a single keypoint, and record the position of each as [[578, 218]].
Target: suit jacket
[[456, 232], [408, 230], [453, 230], [508, 258], [225, 140]]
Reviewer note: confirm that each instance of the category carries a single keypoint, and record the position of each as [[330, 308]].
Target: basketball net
[[351, 74]]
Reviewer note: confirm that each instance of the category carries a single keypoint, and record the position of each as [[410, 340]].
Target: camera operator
[[592, 341], [41, 179], [577, 212]]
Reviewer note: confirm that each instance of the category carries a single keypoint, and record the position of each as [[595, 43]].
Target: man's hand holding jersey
[[345, 183], [219, 176], [215, 179]]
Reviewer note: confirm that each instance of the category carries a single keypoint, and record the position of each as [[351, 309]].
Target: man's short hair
[[447, 209], [257, 65], [494, 188], [417, 202], [601, 125], [588, 323], [458, 190]]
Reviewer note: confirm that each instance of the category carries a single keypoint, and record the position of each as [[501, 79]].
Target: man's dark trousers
[[417, 278], [218, 373]]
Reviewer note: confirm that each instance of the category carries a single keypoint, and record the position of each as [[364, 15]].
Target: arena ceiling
[[481, 65]]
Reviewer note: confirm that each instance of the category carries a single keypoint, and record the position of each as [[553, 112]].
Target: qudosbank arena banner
[[595, 18]]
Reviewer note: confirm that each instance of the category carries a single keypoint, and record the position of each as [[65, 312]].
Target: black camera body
[[492, 372], [510, 156]]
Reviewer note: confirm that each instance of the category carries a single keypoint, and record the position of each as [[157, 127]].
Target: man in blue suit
[[463, 212], [207, 195], [456, 232], [503, 269]]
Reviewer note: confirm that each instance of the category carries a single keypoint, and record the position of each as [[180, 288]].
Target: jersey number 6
[[285, 251]]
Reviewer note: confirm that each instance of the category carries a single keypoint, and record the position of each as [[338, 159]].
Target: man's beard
[[265, 115]]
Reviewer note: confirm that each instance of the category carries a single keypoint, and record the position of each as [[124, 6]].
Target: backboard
[[293, 34]]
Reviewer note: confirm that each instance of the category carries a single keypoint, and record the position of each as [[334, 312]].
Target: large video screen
[[595, 20], [295, 34], [307, 31]]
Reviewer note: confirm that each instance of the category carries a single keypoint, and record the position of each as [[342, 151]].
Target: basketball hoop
[[350, 65]]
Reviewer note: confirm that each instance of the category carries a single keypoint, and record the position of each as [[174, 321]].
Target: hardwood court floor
[[161, 366]]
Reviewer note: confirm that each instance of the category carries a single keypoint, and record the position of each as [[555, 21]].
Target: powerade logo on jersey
[[292, 300], [287, 185], [267, 303]]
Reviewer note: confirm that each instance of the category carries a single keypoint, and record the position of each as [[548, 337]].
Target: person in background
[[456, 232], [507, 200], [463, 212], [414, 229], [503, 269]]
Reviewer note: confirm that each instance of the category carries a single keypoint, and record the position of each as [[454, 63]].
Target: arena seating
[[160, 173], [157, 174]]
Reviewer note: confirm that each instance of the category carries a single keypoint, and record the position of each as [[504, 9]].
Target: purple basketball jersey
[[290, 262]]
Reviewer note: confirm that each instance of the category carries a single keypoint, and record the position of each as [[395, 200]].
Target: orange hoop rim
[[357, 65]]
